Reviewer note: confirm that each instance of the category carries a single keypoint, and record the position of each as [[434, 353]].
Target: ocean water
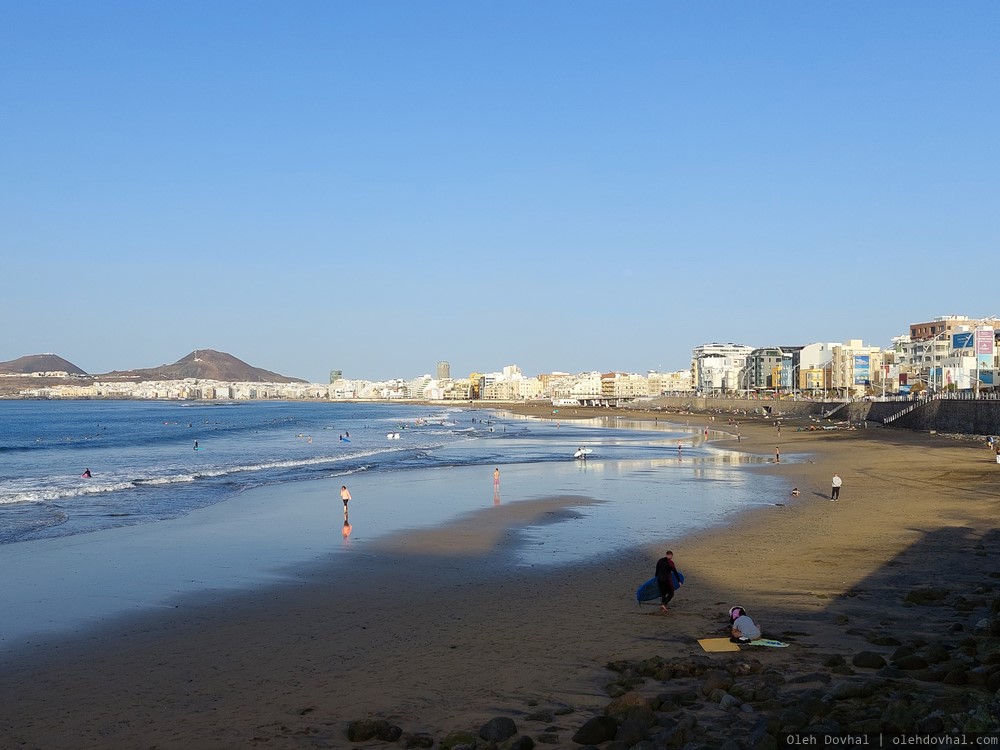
[[158, 520], [145, 466]]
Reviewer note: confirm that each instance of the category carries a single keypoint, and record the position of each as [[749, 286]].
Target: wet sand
[[439, 630]]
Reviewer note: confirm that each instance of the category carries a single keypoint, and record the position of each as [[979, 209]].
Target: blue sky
[[375, 186]]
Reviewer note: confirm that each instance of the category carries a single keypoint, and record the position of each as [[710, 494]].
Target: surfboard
[[768, 642], [650, 590], [345, 440], [583, 452]]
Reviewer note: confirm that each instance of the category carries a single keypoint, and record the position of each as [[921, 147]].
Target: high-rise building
[[443, 370], [336, 375]]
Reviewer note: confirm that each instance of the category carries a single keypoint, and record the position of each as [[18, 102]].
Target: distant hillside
[[206, 364], [40, 363]]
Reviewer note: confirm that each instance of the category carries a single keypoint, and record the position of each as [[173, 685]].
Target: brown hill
[[206, 364], [40, 363]]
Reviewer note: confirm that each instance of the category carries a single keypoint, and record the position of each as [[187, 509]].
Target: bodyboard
[[650, 590], [714, 645]]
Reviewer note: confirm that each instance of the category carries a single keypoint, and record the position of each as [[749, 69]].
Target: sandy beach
[[437, 630]]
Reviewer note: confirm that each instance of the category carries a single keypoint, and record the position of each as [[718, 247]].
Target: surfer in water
[[86, 474], [665, 571]]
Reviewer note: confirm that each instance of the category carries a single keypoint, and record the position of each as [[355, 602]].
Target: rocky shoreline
[[900, 686]]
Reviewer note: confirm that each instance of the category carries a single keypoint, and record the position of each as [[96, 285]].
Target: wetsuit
[[665, 570]]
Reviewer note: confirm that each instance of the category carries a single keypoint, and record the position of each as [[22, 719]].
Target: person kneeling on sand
[[742, 628]]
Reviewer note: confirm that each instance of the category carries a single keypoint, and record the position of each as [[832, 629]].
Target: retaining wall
[[952, 416]]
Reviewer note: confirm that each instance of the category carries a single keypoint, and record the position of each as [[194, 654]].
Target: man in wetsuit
[[665, 570]]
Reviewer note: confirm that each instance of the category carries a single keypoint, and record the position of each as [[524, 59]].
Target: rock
[[454, 740], [936, 653], [417, 739], [793, 719], [846, 690], [716, 679], [631, 706], [596, 730], [868, 660], [883, 640], [900, 716], [632, 731], [766, 726], [564, 710], [498, 729], [911, 661], [524, 742], [752, 690], [366, 729], [957, 676], [744, 667], [729, 701], [834, 660], [900, 652]]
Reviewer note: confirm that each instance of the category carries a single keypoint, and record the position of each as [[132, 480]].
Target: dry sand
[[436, 631]]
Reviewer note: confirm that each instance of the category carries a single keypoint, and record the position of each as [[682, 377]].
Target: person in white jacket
[[743, 629]]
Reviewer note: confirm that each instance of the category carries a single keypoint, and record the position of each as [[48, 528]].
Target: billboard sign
[[862, 369], [984, 348], [961, 340]]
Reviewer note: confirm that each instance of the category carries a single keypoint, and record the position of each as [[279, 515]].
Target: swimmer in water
[[86, 474]]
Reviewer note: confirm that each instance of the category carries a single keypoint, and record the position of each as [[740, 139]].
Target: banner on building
[[961, 340], [862, 369], [984, 348]]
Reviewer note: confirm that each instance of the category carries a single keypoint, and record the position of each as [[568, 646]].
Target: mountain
[[206, 364], [39, 363]]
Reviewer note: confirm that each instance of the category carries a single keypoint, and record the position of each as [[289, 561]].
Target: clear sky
[[376, 186]]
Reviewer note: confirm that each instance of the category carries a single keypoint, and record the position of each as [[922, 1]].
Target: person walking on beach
[[665, 572], [496, 478], [345, 495], [777, 455], [835, 489]]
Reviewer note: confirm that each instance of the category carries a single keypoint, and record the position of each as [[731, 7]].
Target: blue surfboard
[[650, 590]]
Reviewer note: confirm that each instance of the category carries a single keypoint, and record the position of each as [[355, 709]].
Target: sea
[[186, 497], [153, 461]]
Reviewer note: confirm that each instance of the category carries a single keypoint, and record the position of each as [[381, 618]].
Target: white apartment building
[[716, 368]]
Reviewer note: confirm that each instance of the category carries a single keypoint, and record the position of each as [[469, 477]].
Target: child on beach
[[345, 495], [742, 628]]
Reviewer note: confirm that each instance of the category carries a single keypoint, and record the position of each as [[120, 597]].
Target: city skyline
[[573, 186]]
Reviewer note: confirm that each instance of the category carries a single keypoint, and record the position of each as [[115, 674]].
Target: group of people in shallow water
[[741, 627]]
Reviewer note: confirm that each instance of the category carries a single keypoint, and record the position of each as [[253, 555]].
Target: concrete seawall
[[970, 417]]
